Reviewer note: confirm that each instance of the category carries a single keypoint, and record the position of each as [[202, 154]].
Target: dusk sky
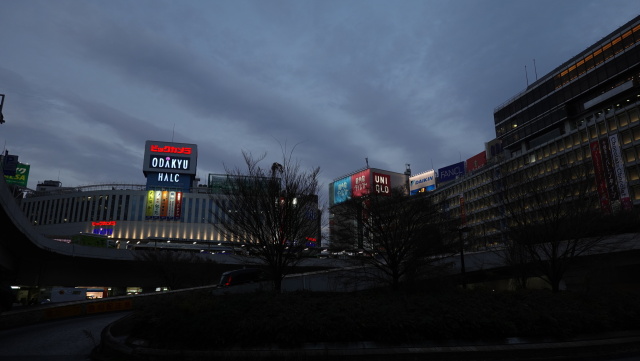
[[88, 82]]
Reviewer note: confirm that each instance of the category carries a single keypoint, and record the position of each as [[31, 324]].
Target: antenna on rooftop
[[526, 75], [173, 132], [535, 69], [367, 161]]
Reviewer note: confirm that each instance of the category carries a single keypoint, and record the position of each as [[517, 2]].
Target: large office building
[[586, 111]]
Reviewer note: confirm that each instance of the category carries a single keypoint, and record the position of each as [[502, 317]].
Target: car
[[241, 276]]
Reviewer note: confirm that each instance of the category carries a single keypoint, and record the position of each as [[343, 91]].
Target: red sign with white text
[[360, 183], [382, 183]]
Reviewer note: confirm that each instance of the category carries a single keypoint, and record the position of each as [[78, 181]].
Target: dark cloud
[[416, 82]]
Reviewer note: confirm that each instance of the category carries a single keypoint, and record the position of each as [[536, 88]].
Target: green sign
[[22, 176]]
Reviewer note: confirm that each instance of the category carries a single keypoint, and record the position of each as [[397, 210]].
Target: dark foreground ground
[[287, 321]]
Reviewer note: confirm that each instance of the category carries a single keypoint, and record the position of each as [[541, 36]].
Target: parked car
[[241, 276]]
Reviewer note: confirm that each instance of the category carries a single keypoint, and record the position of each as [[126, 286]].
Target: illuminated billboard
[[342, 190], [361, 183], [423, 182], [451, 172], [170, 158], [21, 176], [477, 161], [163, 205], [382, 183]]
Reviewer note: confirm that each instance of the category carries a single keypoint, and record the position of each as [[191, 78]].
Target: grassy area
[[289, 320]]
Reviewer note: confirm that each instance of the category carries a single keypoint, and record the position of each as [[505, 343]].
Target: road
[[69, 339]]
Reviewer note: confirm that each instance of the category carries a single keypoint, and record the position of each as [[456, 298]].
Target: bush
[[290, 320]]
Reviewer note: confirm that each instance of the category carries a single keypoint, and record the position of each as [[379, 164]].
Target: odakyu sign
[[169, 163], [179, 158], [423, 182], [451, 172]]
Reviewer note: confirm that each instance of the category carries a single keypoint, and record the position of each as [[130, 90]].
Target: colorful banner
[[618, 166], [157, 203], [423, 182], [178, 211], [360, 183], [163, 205], [451, 172], [609, 173], [342, 190], [151, 196], [382, 183], [601, 183], [171, 204], [21, 176]]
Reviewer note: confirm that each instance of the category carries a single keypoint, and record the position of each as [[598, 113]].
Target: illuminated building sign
[[170, 165], [103, 223], [163, 205], [382, 183], [179, 158], [360, 183], [165, 162], [342, 190], [423, 182], [99, 228], [169, 149], [451, 172]]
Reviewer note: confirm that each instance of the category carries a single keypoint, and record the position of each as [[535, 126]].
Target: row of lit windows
[[608, 50], [531, 120], [480, 198], [41, 211]]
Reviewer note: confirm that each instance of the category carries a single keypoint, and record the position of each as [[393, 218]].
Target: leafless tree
[[274, 210], [179, 269], [401, 235], [552, 218]]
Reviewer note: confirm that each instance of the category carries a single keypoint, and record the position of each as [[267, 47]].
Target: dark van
[[240, 276]]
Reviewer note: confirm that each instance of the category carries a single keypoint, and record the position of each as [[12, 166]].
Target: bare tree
[[400, 233], [274, 210], [179, 269], [552, 219]]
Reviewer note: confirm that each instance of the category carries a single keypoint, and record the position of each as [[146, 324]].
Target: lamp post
[[462, 231], [1, 105]]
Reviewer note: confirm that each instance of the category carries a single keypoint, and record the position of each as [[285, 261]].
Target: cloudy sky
[[88, 82]]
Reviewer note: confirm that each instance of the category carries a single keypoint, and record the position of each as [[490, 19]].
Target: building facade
[[584, 112], [171, 210]]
